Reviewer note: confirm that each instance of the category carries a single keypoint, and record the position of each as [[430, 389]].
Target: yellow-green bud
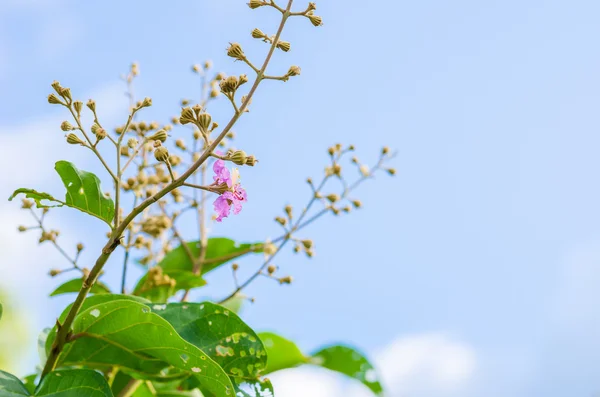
[[124, 151], [135, 69], [161, 154], [333, 198], [385, 150], [26, 204], [180, 144], [53, 99], [22, 229], [312, 6], [235, 267], [54, 272], [57, 87], [91, 104], [391, 171], [74, 139], [356, 203], [238, 157], [307, 244], [66, 93], [187, 116], [132, 143], [281, 221], [99, 131], [207, 64], [271, 269], [316, 20], [242, 80], [286, 280], [196, 68], [284, 46], [160, 135], [174, 160], [80, 247], [146, 102], [258, 34], [78, 105], [256, 3], [251, 161], [294, 71], [235, 51], [229, 84], [204, 121], [66, 126]]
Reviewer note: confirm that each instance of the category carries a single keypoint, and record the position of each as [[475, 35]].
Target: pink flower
[[233, 197]]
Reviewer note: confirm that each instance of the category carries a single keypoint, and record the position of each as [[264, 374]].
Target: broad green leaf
[[38, 197], [83, 193], [219, 250], [89, 302], [65, 383], [75, 285], [183, 280], [11, 386], [129, 335], [29, 382], [349, 362], [283, 353], [74, 383], [221, 334]]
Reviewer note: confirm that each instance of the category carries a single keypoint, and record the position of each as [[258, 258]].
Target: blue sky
[[473, 272]]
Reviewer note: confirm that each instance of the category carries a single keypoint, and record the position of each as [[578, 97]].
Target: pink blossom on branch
[[233, 196]]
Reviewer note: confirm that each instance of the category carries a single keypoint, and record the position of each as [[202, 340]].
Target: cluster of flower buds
[[156, 278], [155, 225], [235, 51], [64, 93], [230, 84], [240, 157]]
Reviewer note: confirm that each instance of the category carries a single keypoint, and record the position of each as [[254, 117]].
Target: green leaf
[[37, 197], [348, 361], [283, 353], [129, 335], [75, 285], [1, 311], [66, 383], [74, 383], [11, 386], [89, 302], [29, 382], [184, 280], [83, 193], [219, 250], [222, 335]]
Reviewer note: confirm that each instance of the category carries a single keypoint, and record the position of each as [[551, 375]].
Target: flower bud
[[26, 204], [258, 34], [174, 160], [22, 229], [271, 269], [286, 280], [294, 71], [79, 247], [124, 151], [54, 272], [391, 171], [57, 87], [235, 51], [312, 6], [333, 198], [91, 104], [161, 154], [251, 161], [284, 46], [208, 64], [135, 70], [204, 121], [235, 267], [243, 80], [132, 143], [238, 157], [160, 135], [256, 3], [180, 144], [78, 105], [66, 93], [316, 20], [146, 102], [66, 126], [385, 150], [74, 139], [281, 221], [229, 84], [307, 244], [52, 99], [187, 116]]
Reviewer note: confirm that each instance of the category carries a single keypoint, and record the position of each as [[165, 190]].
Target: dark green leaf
[[38, 197], [282, 353], [29, 382], [129, 335], [184, 280], [221, 334], [83, 193], [219, 250], [349, 362], [75, 285], [11, 386], [89, 302], [74, 383]]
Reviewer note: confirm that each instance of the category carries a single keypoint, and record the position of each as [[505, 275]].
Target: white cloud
[[424, 365]]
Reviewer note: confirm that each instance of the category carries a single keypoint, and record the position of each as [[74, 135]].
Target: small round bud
[[316, 20], [132, 143], [364, 169], [242, 80], [385, 150], [235, 267], [235, 51], [54, 272], [286, 280], [333, 198], [91, 104], [307, 244], [271, 269], [80, 247], [331, 151], [160, 136], [53, 99], [196, 68], [78, 105], [146, 102], [66, 93], [135, 70], [204, 121], [238, 157], [26, 204], [251, 161], [284, 46], [73, 139], [391, 171], [258, 34], [66, 126], [22, 229], [294, 71], [256, 3], [281, 221], [187, 116], [124, 151], [57, 87], [180, 144], [174, 160], [161, 153]]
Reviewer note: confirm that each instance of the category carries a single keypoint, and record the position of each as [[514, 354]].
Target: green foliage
[[184, 280], [75, 285], [129, 335], [65, 383], [83, 193], [283, 353], [222, 335], [219, 250], [1, 311]]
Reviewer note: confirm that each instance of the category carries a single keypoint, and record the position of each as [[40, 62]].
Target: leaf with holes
[[219, 250], [66, 383], [283, 353], [75, 285], [222, 335], [129, 335], [83, 193], [178, 280]]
